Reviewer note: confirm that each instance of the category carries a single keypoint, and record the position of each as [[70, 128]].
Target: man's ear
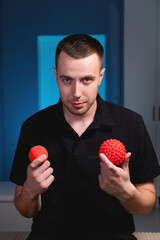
[[101, 75], [55, 73]]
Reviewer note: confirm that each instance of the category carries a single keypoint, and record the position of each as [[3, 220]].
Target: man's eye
[[66, 80], [86, 80]]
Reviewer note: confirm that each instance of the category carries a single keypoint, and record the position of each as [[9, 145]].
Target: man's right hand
[[28, 197], [39, 176]]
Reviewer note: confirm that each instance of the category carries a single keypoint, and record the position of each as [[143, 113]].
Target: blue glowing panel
[[48, 93]]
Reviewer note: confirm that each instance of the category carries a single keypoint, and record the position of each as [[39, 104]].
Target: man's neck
[[80, 122]]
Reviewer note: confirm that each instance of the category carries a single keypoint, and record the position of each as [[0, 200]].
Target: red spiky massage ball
[[114, 150]]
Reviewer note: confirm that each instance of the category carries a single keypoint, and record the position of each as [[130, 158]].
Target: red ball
[[114, 150], [37, 151]]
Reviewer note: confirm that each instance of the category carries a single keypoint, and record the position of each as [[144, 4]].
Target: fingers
[[39, 175], [111, 166], [125, 165], [45, 183], [45, 174], [113, 179], [106, 163], [48, 181], [39, 165], [108, 169], [38, 161]]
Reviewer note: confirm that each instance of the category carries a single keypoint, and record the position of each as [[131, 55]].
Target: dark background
[[21, 21]]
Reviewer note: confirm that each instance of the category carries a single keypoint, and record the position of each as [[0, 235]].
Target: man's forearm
[[26, 204], [39, 178], [140, 200], [136, 199]]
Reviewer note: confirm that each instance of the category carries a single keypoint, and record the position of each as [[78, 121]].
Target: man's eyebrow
[[65, 76], [89, 77]]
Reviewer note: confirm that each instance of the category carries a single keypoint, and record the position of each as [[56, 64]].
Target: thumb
[[125, 165]]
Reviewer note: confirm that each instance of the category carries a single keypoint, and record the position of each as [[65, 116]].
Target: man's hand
[[115, 180], [136, 199], [28, 197], [39, 176]]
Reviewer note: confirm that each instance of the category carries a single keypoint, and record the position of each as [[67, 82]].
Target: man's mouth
[[77, 104]]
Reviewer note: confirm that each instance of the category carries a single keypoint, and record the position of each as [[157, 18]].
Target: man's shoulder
[[121, 113], [44, 116]]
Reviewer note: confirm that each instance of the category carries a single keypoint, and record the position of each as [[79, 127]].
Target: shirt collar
[[104, 115]]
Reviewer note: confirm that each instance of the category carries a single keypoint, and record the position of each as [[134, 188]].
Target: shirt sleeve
[[144, 166], [21, 161]]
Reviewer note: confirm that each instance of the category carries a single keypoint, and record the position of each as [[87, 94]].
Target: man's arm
[[28, 197], [136, 199], [25, 204], [142, 200]]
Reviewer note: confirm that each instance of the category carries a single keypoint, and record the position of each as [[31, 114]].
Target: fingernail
[[101, 154], [44, 157]]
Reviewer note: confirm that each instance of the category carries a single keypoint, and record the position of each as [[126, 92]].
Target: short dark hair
[[79, 46]]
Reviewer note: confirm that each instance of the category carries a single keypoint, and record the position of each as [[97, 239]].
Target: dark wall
[[1, 102], [20, 23]]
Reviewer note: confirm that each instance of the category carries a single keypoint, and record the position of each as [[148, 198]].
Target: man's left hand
[[115, 180]]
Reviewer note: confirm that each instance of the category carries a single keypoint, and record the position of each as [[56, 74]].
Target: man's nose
[[77, 90]]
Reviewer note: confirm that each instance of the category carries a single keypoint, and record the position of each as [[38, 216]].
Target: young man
[[77, 194]]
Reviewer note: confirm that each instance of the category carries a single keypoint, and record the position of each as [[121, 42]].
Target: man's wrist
[[128, 194], [28, 192]]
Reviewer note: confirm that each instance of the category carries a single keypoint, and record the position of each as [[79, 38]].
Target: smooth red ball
[[114, 150], [37, 151]]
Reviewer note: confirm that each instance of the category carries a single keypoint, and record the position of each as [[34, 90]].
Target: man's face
[[78, 81]]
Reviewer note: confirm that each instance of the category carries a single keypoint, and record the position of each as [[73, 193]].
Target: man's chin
[[76, 111]]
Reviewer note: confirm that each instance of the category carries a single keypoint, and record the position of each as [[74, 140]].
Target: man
[[77, 194]]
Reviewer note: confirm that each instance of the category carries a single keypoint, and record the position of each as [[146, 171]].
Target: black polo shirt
[[74, 202]]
